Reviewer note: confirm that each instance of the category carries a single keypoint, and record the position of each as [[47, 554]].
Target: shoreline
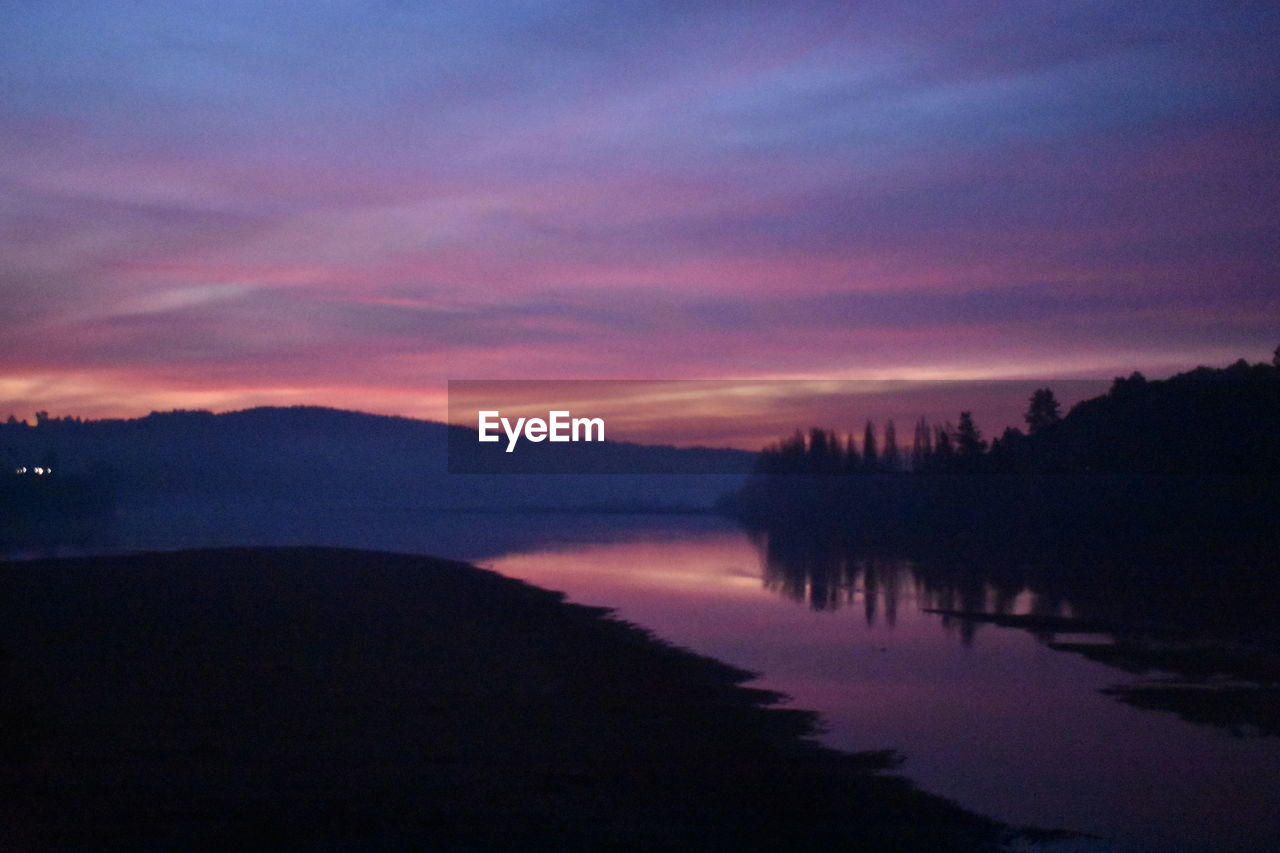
[[324, 697]]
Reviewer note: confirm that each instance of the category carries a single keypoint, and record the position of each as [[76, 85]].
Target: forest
[[1193, 457]]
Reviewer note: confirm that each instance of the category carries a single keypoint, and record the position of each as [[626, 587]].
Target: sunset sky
[[349, 203]]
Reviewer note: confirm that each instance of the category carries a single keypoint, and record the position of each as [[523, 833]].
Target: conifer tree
[[1043, 411], [890, 460]]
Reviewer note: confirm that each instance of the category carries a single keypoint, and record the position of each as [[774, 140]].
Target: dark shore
[[345, 700]]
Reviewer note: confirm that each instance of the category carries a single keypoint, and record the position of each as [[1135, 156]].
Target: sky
[[221, 205], [752, 414]]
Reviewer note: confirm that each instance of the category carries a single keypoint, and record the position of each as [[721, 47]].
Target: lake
[[990, 716]]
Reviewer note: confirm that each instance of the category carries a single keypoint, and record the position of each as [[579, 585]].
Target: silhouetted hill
[[311, 455], [1204, 422]]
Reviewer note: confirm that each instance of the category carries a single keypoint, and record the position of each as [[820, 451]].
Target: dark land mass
[[336, 699], [1233, 688], [313, 452], [1203, 679], [38, 510], [1205, 682], [1029, 621], [1190, 462], [303, 459], [1246, 710]]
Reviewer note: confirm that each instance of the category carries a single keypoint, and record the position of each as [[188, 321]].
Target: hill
[[310, 455], [280, 475]]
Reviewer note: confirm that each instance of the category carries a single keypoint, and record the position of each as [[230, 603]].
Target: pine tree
[[943, 448], [890, 460], [1043, 411], [852, 462], [969, 441], [921, 445], [824, 454], [870, 458]]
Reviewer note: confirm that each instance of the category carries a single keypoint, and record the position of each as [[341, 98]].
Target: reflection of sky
[[1002, 724], [346, 204]]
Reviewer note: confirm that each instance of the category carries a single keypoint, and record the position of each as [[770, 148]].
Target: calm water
[[985, 715], [988, 716]]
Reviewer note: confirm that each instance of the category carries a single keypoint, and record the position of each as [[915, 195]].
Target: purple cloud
[[324, 198]]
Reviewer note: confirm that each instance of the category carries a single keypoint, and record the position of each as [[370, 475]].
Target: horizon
[[743, 416]]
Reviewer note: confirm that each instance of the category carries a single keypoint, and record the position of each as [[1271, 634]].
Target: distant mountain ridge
[[309, 454]]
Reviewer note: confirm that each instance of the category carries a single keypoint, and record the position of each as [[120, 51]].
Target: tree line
[[936, 448], [1189, 462], [1205, 421]]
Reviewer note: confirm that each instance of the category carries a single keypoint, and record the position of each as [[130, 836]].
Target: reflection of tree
[[809, 570], [1205, 627], [1158, 592], [828, 575]]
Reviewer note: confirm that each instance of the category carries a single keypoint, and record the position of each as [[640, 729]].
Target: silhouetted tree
[[870, 458], [821, 458], [852, 461], [792, 455], [921, 445], [785, 457], [1043, 412], [1131, 386], [891, 459], [943, 447], [1215, 421], [969, 441]]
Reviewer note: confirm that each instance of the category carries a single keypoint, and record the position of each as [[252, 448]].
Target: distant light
[[21, 470], [38, 471]]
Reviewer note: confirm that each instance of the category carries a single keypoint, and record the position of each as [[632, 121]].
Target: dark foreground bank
[[334, 699]]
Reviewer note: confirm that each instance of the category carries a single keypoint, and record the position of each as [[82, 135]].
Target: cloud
[[318, 196]]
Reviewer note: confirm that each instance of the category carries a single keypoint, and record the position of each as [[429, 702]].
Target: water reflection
[[1208, 670], [828, 575], [998, 678]]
